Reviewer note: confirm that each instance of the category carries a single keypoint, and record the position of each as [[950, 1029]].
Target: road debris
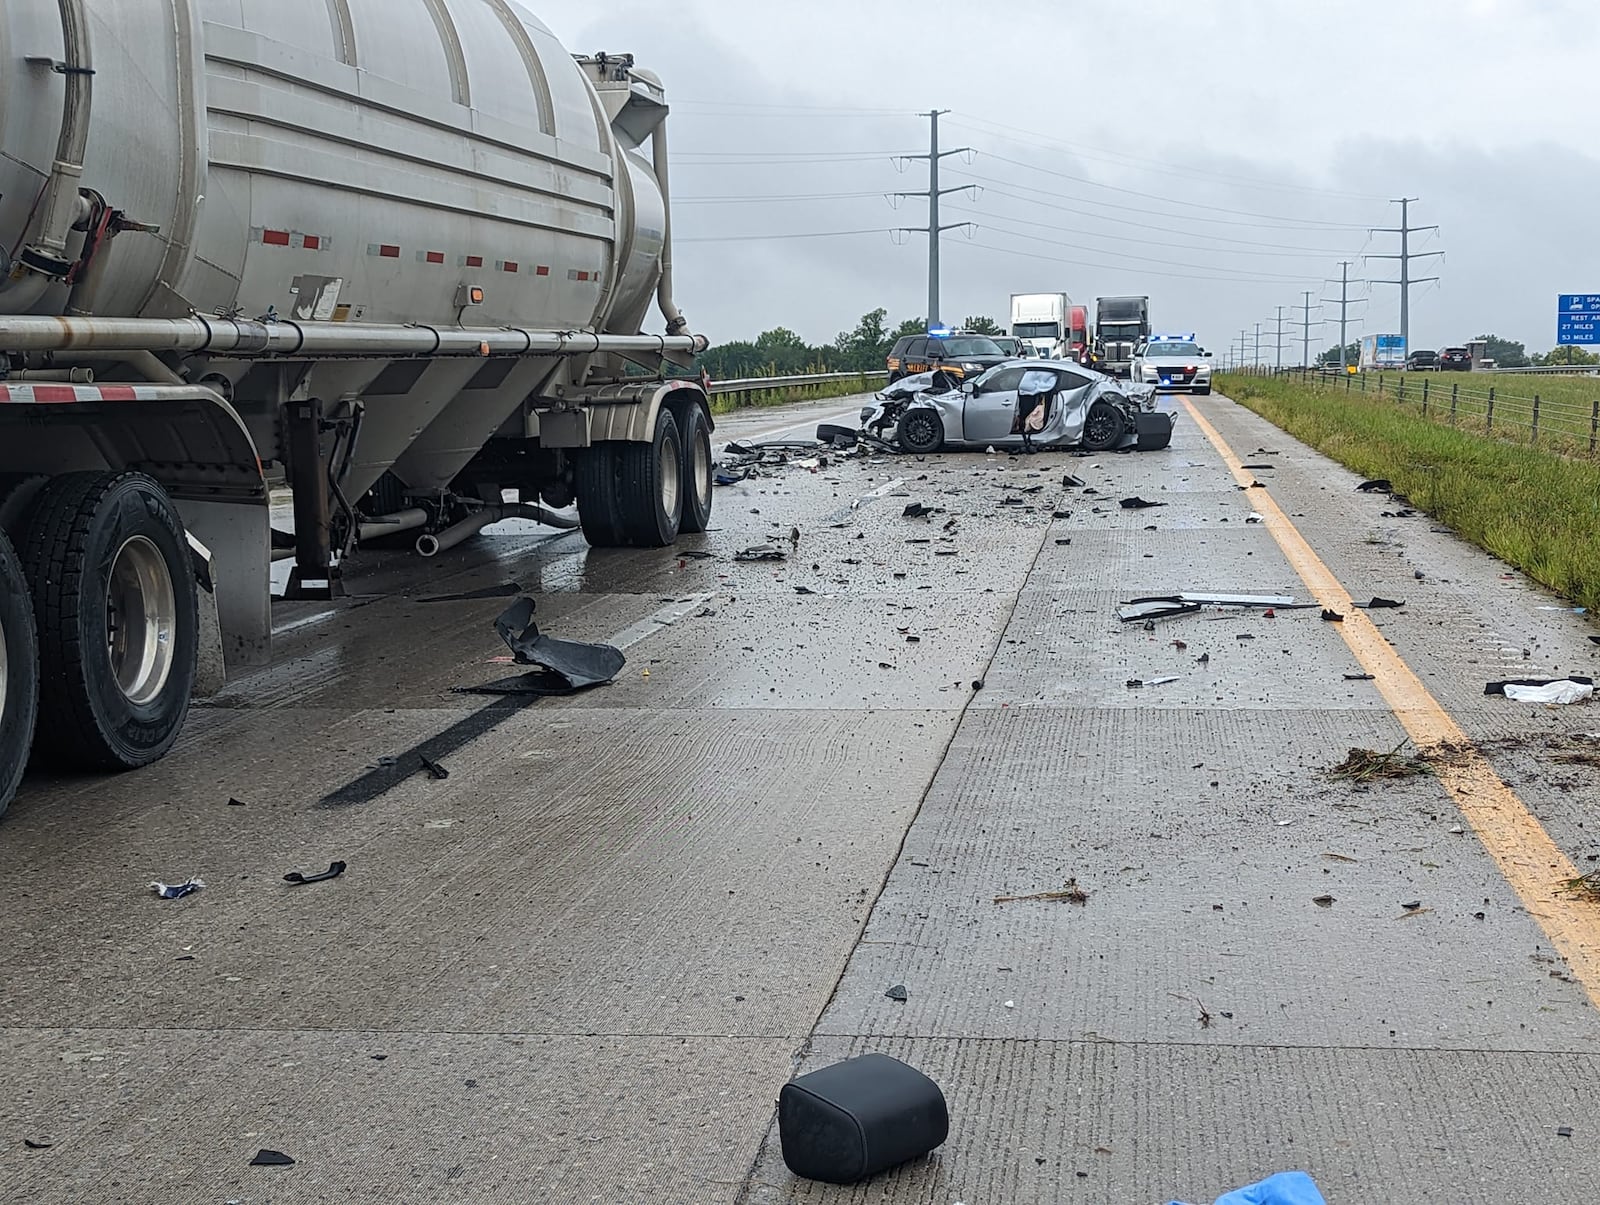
[[1562, 691], [176, 891], [1254, 518], [435, 771], [1324, 901], [762, 552], [1155, 608], [565, 666], [1359, 678], [1070, 893], [1382, 604], [41, 1143], [898, 992], [1587, 885], [1138, 504], [505, 590], [1381, 486], [236, 803], [1368, 765], [1412, 905], [1563, 1131], [1331, 616], [860, 1117], [268, 1158], [1135, 683], [296, 879]]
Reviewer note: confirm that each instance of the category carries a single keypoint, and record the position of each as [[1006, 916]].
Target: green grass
[[728, 403], [1533, 508], [1566, 404]]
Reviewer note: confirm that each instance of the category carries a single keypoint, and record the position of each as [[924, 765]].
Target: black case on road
[[858, 1118]]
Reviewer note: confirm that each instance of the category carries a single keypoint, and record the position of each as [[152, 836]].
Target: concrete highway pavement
[[581, 967]]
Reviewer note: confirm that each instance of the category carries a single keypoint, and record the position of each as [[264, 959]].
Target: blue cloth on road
[[1286, 1188]]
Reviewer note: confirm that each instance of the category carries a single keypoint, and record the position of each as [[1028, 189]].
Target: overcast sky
[[1221, 156]]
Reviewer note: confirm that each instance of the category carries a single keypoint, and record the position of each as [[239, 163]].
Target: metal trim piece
[[455, 57]]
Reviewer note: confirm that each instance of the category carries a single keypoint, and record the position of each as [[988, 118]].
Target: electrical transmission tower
[[1305, 331], [933, 230], [1279, 366], [1405, 230], [1257, 362], [1344, 302]]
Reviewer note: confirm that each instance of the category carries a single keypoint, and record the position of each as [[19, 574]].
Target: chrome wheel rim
[[5, 670], [671, 480], [141, 620], [702, 468]]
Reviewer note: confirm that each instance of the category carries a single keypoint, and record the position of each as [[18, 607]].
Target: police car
[[956, 354], [1172, 363]]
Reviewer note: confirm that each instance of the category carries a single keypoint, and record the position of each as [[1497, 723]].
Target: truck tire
[[651, 486], [1103, 427], [697, 468], [19, 673], [920, 431], [117, 611], [598, 509]]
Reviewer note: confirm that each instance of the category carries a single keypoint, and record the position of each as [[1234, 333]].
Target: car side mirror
[[969, 387], [1207, 355]]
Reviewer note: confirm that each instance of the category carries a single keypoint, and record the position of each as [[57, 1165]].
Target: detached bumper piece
[[1154, 429], [858, 1118]]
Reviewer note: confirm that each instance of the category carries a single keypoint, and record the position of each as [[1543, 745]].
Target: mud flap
[[1154, 430]]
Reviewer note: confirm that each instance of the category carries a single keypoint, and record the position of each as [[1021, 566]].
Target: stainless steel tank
[[340, 160]]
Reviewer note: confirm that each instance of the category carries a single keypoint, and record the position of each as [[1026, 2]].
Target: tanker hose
[[676, 322], [63, 205]]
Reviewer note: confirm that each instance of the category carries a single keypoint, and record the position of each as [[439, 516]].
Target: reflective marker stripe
[[1527, 858], [74, 393], [275, 238]]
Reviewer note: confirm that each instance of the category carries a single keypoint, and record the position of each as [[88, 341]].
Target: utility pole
[[1279, 367], [1305, 332], [1244, 339], [933, 230], [1344, 304], [1257, 361], [1405, 230]]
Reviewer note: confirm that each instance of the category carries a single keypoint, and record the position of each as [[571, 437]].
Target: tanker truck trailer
[[396, 255]]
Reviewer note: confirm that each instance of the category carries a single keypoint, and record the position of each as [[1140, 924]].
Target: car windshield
[[966, 345], [1172, 349]]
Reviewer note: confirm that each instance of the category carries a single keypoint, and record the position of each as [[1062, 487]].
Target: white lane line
[[849, 418], [660, 621], [310, 621]]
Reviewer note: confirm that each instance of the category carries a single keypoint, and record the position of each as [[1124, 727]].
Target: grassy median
[[1536, 510]]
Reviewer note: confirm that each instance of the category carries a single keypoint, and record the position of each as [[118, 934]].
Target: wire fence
[[1562, 415]]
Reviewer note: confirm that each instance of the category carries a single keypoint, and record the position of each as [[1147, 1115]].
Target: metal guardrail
[[755, 384], [1563, 370], [1461, 399]]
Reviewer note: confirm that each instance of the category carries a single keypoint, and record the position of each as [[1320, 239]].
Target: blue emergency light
[[938, 332], [1189, 338]]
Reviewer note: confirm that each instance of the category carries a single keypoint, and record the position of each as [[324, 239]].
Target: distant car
[[1011, 345], [1081, 408], [1422, 361], [1455, 359], [954, 355], [1171, 365]]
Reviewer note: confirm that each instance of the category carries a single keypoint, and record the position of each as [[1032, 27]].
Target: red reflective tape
[[583, 276], [118, 393], [474, 261], [436, 257], [542, 271], [511, 266], [313, 242], [275, 238], [389, 251], [54, 393]]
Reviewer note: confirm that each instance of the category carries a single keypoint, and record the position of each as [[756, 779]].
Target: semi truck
[[1041, 320], [1120, 325], [1382, 352], [396, 256]]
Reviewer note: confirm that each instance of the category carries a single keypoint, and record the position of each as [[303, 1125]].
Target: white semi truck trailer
[[398, 255]]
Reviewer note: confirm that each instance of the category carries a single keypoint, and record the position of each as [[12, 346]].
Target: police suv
[[1172, 363]]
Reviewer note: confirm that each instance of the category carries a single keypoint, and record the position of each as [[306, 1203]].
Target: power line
[[1405, 230], [770, 238], [997, 130], [1083, 263], [1313, 253], [758, 200], [933, 229], [1297, 222]]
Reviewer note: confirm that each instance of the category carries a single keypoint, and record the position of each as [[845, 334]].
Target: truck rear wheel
[[697, 487], [598, 497], [116, 607], [19, 673], [650, 477]]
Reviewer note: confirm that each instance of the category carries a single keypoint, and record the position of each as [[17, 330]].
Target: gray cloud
[[1265, 138]]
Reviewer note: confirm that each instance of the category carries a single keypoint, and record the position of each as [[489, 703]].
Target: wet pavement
[[581, 967]]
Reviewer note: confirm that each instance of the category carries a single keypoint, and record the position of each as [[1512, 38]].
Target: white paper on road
[[1565, 691]]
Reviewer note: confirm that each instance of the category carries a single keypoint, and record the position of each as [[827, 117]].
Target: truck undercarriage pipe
[[244, 340], [676, 322], [63, 206], [433, 545], [393, 524]]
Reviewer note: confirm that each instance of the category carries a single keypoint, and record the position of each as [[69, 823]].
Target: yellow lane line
[[1531, 862]]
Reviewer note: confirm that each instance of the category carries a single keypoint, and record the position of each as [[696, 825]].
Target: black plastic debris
[[1331, 616], [762, 552], [1359, 678], [1061, 514], [915, 510], [266, 1158], [566, 666], [504, 590], [860, 1117], [1072, 482], [1257, 467], [1563, 1131], [1138, 503], [898, 992], [1412, 905], [1245, 636], [833, 433], [38, 1144], [693, 554], [1032, 489], [236, 803], [1155, 608], [1594, 640], [435, 771], [1499, 688], [1063, 541], [1381, 486], [804, 590], [1382, 604], [1324, 901], [296, 879], [176, 891], [723, 477]]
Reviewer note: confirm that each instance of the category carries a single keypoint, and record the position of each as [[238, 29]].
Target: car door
[[915, 359], [990, 410], [1073, 401]]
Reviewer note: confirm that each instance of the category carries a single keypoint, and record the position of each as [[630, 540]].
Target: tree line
[[1506, 353], [781, 352]]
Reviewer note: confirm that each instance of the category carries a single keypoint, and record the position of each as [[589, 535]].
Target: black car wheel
[[920, 431], [1104, 427]]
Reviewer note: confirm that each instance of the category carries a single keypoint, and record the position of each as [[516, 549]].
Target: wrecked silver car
[[1025, 405]]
